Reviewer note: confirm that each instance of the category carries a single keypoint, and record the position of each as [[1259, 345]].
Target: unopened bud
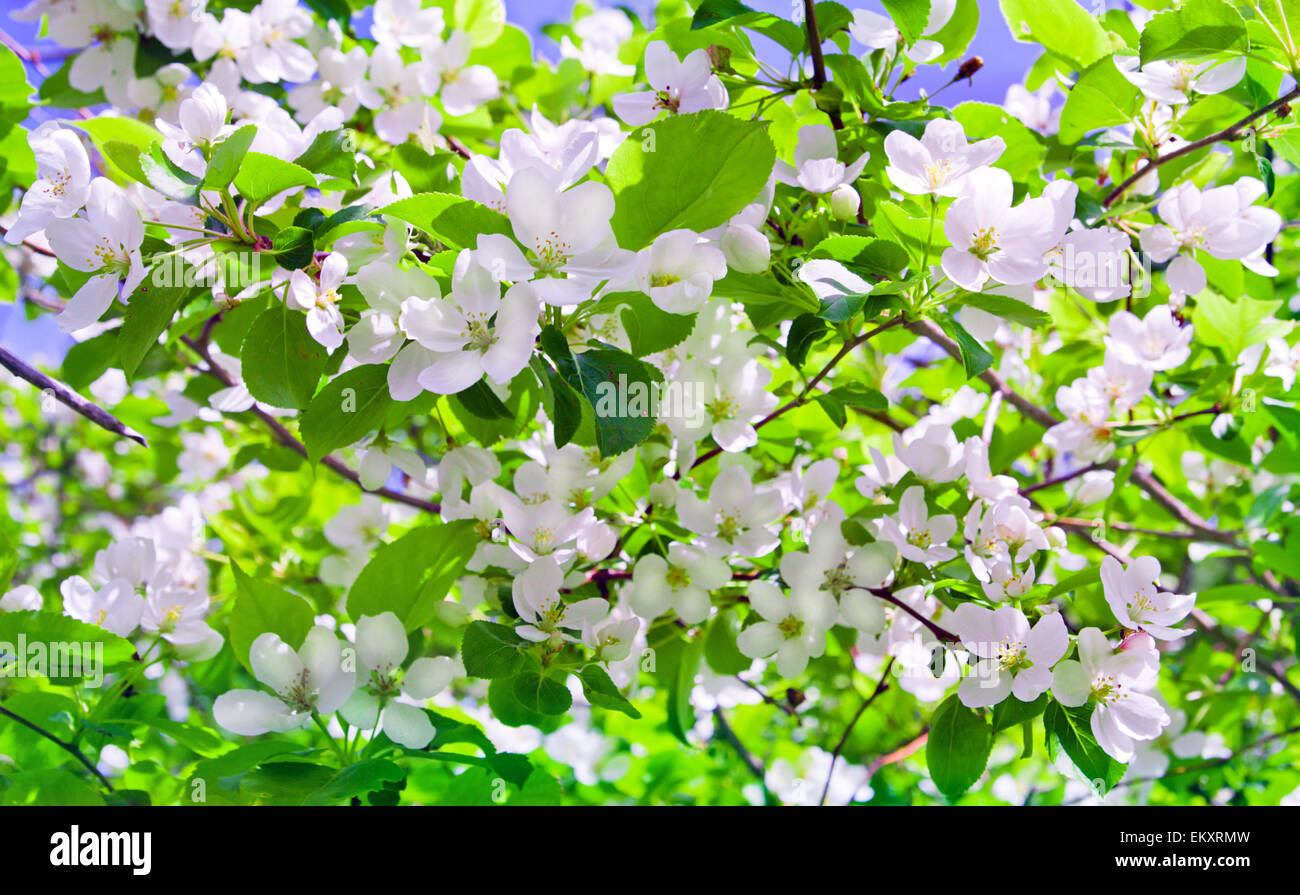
[[746, 249], [1283, 111], [664, 494], [969, 67], [845, 202], [1138, 640]]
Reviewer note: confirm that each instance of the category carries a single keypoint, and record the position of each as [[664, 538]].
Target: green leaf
[[348, 408], [490, 650], [1194, 28], [720, 650], [144, 319], [482, 402], [619, 388], [1007, 308], [860, 397], [356, 780], [1070, 730], [262, 176], [295, 247], [864, 254], [600, 691], [282, 363], [563, 406], [910, 16], [331, 152], [1024, 148], [649, 329], [227, 158], [1234, 325], [959, 32], [711, 12], [694, 171], [1100, 98], [87, 361], [410, 576], [541, 693], [1011, 712], [482, 20], [241, 760], [454, 220], [975, 358], [539, 789], [262, 607], [958, 747], [1062, 26], [64, 638], [167, 178], [676, 665], [805, 331], [48, 786], [121, 140]]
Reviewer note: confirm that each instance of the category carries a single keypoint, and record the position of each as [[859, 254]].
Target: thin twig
[[1231, 132], [803, 396], [881, 686], [723, 729], [66, 396], [287, 438], [887, 595], [65, 746]]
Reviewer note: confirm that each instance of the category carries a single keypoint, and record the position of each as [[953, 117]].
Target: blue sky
[[1005, 63]]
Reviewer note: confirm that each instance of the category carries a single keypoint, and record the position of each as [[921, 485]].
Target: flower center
[[552, 253], [984, 243], [667, 99], [837, 580], [1011, 656], [1107, 690], [936, 173], [300, 695], [728, 524], [790, 627], [677, 578], [477, 333]]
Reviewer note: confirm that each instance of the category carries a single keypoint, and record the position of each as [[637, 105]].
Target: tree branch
[[803, 396], [881, 687], [887, 595], [287, 438], [724, 732], [66, 396], [819, 63], [1231, 132], [65, 746]]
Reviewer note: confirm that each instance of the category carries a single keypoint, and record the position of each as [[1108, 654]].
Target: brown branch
[[66, 396], [287, 438], [885, 594], [28, 244], [1142, 477], [819, 63], [931, 331], [902, 752], [881, 687], [1231, 132], [1047, 483], [803, 396], [459, 148]]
